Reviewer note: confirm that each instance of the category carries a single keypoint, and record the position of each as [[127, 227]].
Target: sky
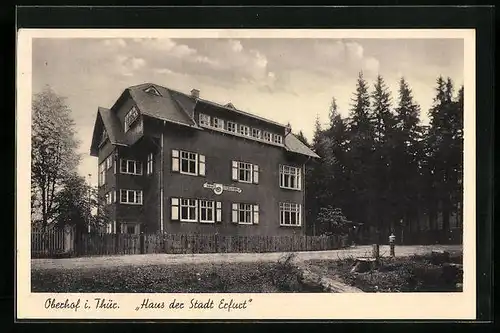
[[285, 80]]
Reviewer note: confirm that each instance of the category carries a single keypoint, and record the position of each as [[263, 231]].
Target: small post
[[392, 242], [376, 252]]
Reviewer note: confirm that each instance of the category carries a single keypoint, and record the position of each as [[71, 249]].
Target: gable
[[152, 90]]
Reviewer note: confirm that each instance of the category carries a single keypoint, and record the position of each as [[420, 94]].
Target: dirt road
[[171, 259]]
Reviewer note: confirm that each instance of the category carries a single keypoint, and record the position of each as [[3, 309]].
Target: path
[[170, 259]]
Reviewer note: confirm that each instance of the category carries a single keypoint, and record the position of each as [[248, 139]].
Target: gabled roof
[[106, 120], [175, 107], [294, 145], [164, 107]]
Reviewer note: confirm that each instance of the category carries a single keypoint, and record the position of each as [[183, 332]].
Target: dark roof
[[164, 107], [296, 146], [106, 119], [176, 107]]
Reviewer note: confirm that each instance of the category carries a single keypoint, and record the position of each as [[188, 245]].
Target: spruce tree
[[381, 168], [408, 156], [361, 135]]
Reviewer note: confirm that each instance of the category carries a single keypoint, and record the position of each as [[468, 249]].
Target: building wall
[[219, 150]]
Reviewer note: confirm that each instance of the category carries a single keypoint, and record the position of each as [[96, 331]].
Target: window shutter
[[255, 214], [175, 160], [256, 174], [218, 211], [175, 209], [235, 170], [114, 165], [113, 193], [235, 213], [201, 166]]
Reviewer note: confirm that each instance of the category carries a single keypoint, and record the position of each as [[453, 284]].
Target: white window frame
[[233, 125], [109, 162], [266, 136], [218, 123], [188, 203], [130, 118], [244, 130], [247, 168], [189, 158], [287, 171], [242, 208], [137, 195], [149, 164], [110, 197], [129, 172], [102, 173], [257, 133], [204, 120], [207, 205], [290, 208], [278, 139]]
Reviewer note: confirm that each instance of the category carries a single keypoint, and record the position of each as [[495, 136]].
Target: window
[[231, 127], [189, 210], [244, 130], [266, 136], [186, 210], [131, 167], [109, 228], [132, 197], [104, 137], [110, 197], [130, 228], [245, 172], [290, 177], [109, 162], [102, 173], [188, 162], [277, 138], [218, 123], [204, 120], [149, 167], [152, 90], [244, 213], [256, 133], [131, 117], [207, 209], [290, 214]]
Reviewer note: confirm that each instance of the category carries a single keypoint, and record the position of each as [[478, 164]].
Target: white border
[[264, 306]]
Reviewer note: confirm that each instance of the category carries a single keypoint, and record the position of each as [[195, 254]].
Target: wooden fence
[[48, 243], [118, 244]]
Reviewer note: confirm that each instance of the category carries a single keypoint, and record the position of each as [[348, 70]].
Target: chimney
[[288, 129], [195, 93]]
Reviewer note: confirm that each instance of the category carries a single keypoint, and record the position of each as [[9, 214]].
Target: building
[[177, 163]]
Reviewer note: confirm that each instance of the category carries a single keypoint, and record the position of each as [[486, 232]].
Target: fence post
[[141, 241]]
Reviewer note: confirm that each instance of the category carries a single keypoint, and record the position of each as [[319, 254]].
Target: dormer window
[[204, 120], [218, 123], [256, 133], [104, 137], [244, 130], [277, 139], [152, 90], [131, 117]]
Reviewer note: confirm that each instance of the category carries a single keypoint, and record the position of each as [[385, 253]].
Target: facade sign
[[219, 188]]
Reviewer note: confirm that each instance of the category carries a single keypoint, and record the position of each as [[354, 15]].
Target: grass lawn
[[401, 274], [258, 277]]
